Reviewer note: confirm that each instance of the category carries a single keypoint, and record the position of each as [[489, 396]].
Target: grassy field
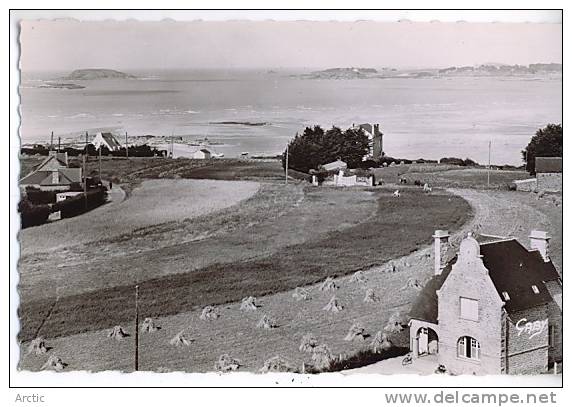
[[397, 228]]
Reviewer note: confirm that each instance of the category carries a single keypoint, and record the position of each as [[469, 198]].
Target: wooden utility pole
[[100, 163], [489, 167], [286, 164], [59, 143], [85, 180], [126, 147], [52, 141], [86, 143], [136, 328]]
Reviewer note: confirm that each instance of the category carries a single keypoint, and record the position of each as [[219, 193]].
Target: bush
[[467, 162], [38, 197], [360, 359], [33, 215], [81, 203]]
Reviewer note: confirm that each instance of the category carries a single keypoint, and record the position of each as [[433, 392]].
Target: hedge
[[77, 205], [33, 215]]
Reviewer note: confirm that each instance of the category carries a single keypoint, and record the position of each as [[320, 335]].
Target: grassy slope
[[399, 227]]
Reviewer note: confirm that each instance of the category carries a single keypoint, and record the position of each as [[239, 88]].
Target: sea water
[[259, 111]]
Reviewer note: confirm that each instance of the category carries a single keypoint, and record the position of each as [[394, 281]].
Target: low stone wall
[[550, 182]]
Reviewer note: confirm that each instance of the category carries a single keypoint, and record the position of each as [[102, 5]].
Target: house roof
[[204, 150], [367, 127], [110, 140], [70, 175], [548, 164], [512, 269]]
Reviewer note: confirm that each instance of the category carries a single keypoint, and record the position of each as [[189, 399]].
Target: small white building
[[106, 139], [202, 154], [335, 166]]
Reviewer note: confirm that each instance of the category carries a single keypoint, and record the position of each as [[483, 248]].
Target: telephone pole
[[126, 147], [86, 143], [59, 143], [136, 328], [100, 163], [85, 180], [52, 141], [489, 167], [287, 164]]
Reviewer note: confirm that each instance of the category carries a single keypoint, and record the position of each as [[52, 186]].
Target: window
[[506, 296], [468, 348], [469, 309], [535, 289]]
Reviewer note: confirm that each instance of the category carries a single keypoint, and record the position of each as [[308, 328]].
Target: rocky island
[[92, 74]]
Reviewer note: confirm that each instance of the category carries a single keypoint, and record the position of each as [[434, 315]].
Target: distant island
[[91, 74], [483, 70]]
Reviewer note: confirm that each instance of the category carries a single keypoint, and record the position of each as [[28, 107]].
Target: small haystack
[[266, 323], [309, 342], [226, 363], [333, 305], [414, 284], [322, 356], [54, 363], [370, 296], [117, 333], [181, 340], [328, 285], [37, 346], [149, 325], [381, 342], [356, 332], [358, 277], [301, 294], [277, 364], [248, 304], [209, 313], [394, 324]]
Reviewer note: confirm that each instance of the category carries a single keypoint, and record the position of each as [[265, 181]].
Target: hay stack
[[357, 331], [381, 342], [248, 304], [209, 313], [181, 340], [225, 363], [309, 342], [149, 325], [37, 346], [394, 324], [333, 305], [370, 296], [413, 283], [358, 277], [328, 285], [277, 364], [54, 363], [322, 356], [266, 323], [117, 333], [301, 294]]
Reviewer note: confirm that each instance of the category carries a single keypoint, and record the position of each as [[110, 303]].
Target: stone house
[[375, 140], [548, 174], [106, 139], [53, 174], [496, 307]]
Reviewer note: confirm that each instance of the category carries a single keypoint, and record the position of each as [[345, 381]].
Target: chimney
[[441, 244], [375, 129], [539, 241]]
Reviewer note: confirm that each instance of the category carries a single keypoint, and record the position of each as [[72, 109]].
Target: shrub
[[33, 215], [38, 197], [81, 203], [361, 358]]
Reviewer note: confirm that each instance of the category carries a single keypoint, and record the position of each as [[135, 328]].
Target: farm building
[[375, 140], [202, 154], [335, 166], [494, 308], [53, 174], [106, 139], [549, 173]]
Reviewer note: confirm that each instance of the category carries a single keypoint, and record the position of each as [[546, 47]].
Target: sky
[[64, 45]]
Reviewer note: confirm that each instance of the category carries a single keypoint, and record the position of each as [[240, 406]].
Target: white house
[[107, 140], [202, 154]]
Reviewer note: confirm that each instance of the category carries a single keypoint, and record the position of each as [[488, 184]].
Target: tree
[[314, 148], [547, 142]]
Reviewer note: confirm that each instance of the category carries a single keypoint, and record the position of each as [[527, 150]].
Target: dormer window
[[535, 289], [505, 296]]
